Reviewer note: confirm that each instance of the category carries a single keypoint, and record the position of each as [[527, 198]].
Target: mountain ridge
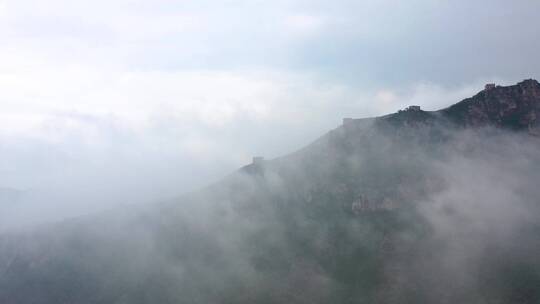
[[513, 107], [516, 107], [397, 209]]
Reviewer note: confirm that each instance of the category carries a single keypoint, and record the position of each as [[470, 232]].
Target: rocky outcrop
[[514, 107]]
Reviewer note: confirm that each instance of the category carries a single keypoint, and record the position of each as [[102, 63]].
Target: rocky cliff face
[[515, 107]]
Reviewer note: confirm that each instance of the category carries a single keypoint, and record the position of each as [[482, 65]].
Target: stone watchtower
[[490, 86], [413, 108], [347, 121]]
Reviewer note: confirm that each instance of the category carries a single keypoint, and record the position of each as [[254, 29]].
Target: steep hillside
[[412, 207]]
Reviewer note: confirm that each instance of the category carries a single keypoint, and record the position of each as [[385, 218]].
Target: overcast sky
[[117, 101]]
